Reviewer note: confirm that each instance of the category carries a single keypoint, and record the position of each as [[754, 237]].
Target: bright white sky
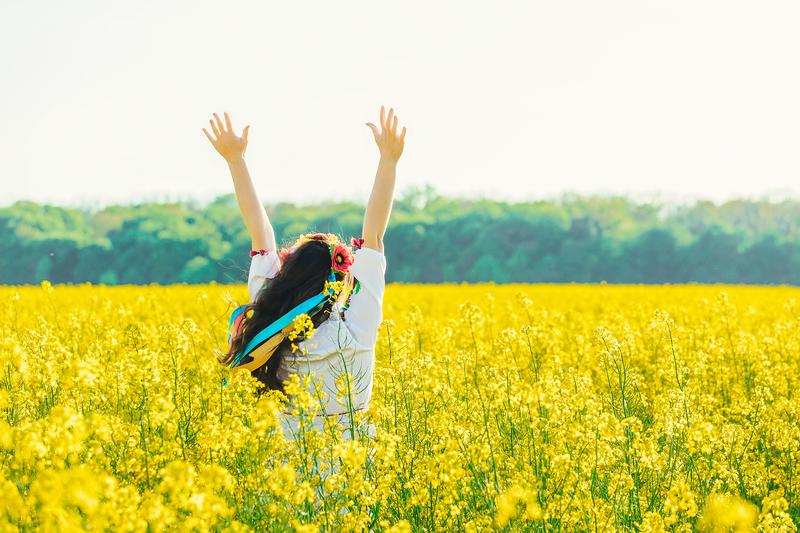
[[105, 100]]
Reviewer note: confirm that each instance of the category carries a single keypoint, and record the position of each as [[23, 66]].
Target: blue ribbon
[[263, 335]]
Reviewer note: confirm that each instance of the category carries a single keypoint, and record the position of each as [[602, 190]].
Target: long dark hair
[[302, 275]]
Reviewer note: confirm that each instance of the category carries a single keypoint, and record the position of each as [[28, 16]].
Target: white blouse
[[337, 345]]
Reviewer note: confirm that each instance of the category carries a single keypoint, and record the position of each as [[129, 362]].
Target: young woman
[[319, 276]]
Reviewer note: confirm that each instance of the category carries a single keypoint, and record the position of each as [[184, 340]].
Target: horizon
[[642, 198], [108, 103]]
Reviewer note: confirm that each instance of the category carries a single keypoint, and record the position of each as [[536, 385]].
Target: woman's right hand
[[225, 141], [389, 142]]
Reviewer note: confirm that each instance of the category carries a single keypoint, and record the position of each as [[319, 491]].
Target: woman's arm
[[379, 207], [232, 148]]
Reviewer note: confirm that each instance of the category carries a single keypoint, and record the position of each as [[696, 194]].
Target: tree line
[[431, 239]]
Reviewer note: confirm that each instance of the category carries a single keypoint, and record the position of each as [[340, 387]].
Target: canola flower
[[496, 408]]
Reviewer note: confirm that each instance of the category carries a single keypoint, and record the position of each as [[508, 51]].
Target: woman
[[341, 291]]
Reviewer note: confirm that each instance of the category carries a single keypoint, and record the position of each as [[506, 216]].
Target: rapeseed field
[[495, 408]]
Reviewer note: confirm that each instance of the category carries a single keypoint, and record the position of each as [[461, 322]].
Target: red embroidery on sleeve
[[357, 243], [254, 253]]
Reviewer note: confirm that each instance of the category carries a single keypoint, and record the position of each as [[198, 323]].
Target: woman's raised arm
[[232, 147], [379, 207]]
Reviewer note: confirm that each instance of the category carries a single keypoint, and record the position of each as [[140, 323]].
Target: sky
[[104, 101]]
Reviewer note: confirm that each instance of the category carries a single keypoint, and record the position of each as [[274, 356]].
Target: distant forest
[[431, 239]]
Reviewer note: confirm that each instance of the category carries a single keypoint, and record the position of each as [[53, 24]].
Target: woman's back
[[341, 353]]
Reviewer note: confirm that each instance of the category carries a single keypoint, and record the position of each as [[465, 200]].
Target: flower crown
[[341, 256]]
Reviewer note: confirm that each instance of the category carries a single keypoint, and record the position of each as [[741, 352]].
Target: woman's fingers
[[219, 123], [209, 136], [214, 128], [245, 133], [389, 120], [228, 121], [389, 124], [374, 130], [403, 134]]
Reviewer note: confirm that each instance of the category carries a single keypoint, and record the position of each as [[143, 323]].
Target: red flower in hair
[[341, 258], [284, 253]]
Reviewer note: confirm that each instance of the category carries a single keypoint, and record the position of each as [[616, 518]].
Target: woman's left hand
[[225, 141]]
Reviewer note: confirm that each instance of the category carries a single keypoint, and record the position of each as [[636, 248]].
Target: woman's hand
[[379, 207], [232, 147], [389, 142], [227, 143]]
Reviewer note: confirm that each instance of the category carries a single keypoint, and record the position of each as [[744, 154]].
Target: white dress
[[337, 345]]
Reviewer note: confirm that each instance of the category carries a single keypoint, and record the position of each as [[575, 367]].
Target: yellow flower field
[[510, 408]]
